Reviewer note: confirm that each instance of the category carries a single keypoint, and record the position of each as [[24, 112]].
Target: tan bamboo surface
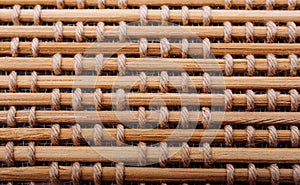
[[234, 3], [137, 174], [131, 154], [145, 135], [140, 99], [152, 82], [116, 117], [142, 64], [153, 48], [133, 15], [142, 32]]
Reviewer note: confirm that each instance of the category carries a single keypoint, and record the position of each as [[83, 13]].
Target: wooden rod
[[195, 49], [133, 15], [145, 135], [234, 3], [131, 154], [141, 99], [142, 64], [138, 174], [116, 117], [142, 32], [152, 82]]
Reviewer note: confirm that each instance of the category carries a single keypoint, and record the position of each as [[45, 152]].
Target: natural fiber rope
[[97, 173]]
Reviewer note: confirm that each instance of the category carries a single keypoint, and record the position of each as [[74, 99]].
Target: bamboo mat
[[149, 92]]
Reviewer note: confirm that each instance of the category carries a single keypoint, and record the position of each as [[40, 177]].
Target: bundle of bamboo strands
[[194, 49], [111, 3], [143, 64], [143, 32], [137, 174], [149, 135], [153, 117], [133, 15]]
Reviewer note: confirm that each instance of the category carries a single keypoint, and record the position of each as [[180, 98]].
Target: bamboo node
[[55, 98], [143, 15], [163, 157], [185, 155], [98, 134], [122, 64], [31, 153], [97, 173], [14, 46], [142, 117], [37, 14], [12, 81], [143, 82], [185, 15], [55, 134], [16, 11], [32, 117], [230, 174], [142, 159], [227, 31], [295, 136], [294, 64], [228, 135], [120, 135], [35, 47], [100, 31], [9, 157], [79, 32], [99, 64], [249, 32], [163, 117], [294, 100], [120, 173], [275, 174], [250, 65], [76, 135], [273, 137], [165, 15], [184, 118], [76, 173], [54, 173], [252, 174], [250, 100], [143, 49], [250, 132], [11, 117], [206, 15], [292, 32], [58, 31]]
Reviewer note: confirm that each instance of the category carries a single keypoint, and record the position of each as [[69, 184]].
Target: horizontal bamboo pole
[[140, 99], [132, 117], [133, 15], [142, 32], [153, 48], [141, 64], [153, 82], [131, 154], [149, 174], [234, 3], [145, 135]]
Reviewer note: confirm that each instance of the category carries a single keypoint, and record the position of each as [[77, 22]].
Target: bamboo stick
[[131, 154], [142, 64], [137, 174], [109, 3], [152, 82], [132, 117], [145, 135], [141, 99], [216, 49], [133, 15], [142, 32]]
